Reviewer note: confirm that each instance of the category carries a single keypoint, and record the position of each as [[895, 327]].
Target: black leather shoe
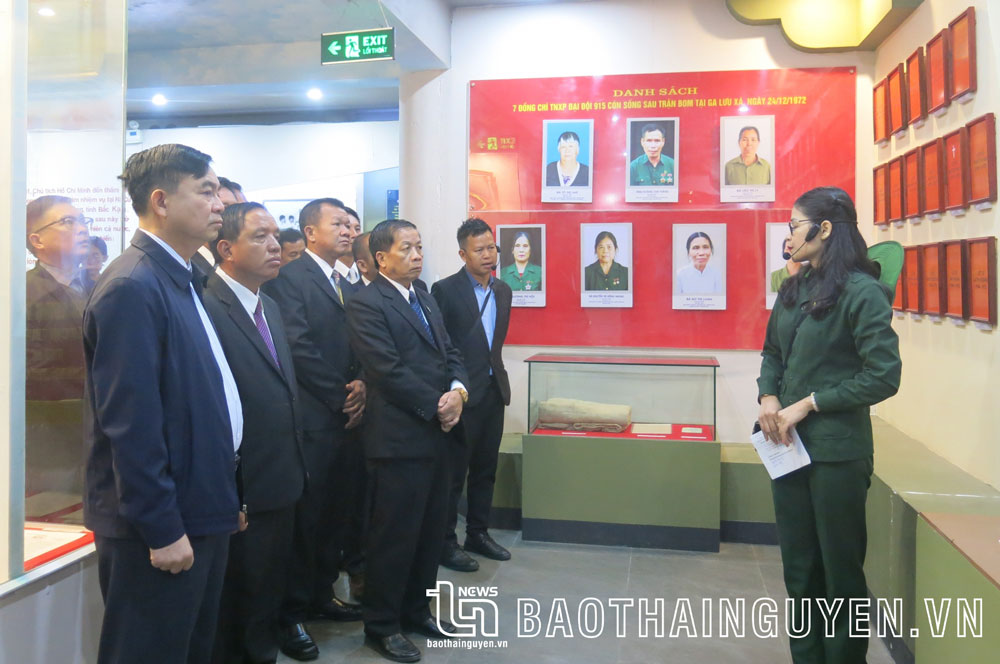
[[454, 558], [297, 644], [357, 584], [339, 610], [429, 627], [485, 545], [395, 647]]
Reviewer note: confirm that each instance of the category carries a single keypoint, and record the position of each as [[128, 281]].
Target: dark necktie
[[415, 305], [336, 286], [258, 318]]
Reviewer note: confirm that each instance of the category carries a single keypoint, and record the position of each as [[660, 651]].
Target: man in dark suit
[[271, 472], [163, 422], [416, 392], [311, 295], [476, 312]]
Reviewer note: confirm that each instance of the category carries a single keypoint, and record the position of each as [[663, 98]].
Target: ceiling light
[[47, 12], [159, 99], [315, 94]]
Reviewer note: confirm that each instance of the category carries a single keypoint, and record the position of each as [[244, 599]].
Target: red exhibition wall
[[813, 144]]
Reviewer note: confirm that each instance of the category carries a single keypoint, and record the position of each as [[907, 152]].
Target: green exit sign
[[357, 46]]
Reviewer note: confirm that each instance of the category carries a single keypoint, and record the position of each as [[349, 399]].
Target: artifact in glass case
[[579, 415]]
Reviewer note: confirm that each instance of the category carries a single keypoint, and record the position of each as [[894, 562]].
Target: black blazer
[[316, 325], [407, 370], [156, 423], [203, 266], [457, 299], [271, 465]]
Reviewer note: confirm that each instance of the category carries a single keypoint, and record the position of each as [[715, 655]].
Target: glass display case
[[624, 396]]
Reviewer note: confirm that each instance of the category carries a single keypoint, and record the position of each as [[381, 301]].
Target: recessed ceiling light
[[47, 12], [315, 94], [159, 100]]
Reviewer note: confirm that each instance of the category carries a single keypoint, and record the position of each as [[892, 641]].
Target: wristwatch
[[463, 393]]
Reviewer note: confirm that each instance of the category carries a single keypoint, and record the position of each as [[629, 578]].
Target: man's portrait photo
[[747, 153], [652, 155], [567, 152]]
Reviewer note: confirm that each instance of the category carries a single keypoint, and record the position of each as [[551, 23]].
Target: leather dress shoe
[[485, 545], [395, 647], [297, 644], [454, 558], [429, 627], [339, 610]]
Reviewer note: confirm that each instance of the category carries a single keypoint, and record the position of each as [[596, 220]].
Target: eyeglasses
[[68, 222], [794, 223]]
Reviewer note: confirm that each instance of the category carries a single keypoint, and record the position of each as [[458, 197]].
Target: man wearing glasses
[[56, 291]]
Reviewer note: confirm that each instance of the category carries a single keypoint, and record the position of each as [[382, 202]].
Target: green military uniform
[[642, 173], [530, 280], [595, 279], [758, 172], [850, 359]]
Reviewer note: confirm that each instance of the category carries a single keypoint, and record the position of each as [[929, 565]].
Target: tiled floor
[[546, 572]]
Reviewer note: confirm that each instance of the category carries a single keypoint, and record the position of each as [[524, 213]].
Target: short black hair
[[697, 234], [472, 227], [289, 235], [605, 235], [652, 126], [360, 246], [309, 216], [233, 219], [161, 167], [231, 185], [353, 213], [99, 244], [37, 208], [567, 135], [748, 128], [383, 235]]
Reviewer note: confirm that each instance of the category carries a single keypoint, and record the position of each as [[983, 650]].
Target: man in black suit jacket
[[312, 295], [416, 392], [476, 312], [271, 471], [163, 421]]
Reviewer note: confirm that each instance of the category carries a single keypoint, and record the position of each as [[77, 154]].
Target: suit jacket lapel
[[325, 284], [241, 319], [439, 331], [272, 314], [403, 307]]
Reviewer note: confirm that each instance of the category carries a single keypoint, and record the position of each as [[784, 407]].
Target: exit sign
[[357, 46]]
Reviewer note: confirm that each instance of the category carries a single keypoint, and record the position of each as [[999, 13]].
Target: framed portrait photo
[[699, 262], [286, 211], [939, 73], [777, 268], [956, 284], [982, 161], [606, 265], [567, 158], [521, 262], [981, 272], [956, 168], [651, 176], [747, 169], [913, 202], [898, 114], [880, 112], [963, 56], [932, 154], [916, 88]]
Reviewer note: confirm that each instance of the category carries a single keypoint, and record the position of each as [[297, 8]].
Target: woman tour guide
[[829, 353]]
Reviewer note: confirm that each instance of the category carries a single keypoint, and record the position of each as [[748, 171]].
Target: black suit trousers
[[482, 427], [405, 537], [155, 617], [346, 518], [253, 589]]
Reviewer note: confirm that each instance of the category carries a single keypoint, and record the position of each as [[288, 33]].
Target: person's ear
[[380, 259], [158, 202], [825, 228], [225, 249]]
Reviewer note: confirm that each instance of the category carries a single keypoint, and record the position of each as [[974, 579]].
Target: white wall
[[582, 39], [950, 380]]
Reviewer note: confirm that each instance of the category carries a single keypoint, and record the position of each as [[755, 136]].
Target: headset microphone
[[809, 236]]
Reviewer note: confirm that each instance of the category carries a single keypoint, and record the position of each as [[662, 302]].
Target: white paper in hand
[[780, 459]]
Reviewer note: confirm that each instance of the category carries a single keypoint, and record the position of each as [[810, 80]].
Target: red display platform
[[63, 542], [617, 359], [677, 432]]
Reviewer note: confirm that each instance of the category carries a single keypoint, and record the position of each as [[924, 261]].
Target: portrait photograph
[[567, 161], [651, 176], [776, 268], [286, 212], [606, 265], [699, 266], [521, 264], [746, 159]]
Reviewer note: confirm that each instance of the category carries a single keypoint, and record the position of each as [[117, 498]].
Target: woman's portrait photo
[[606, 257], [521, 266], [747, 169], [567, 155], [699, 266]]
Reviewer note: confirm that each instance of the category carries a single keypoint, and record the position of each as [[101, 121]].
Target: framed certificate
[[898, 114], [912, 280], [916, 88], [913, 201], [880, 194], [932, 268], [899, 301], [956, 285], [982, 161], [933, 176], [956, 169], [896, 192], [938, 73], [963, 56], [981, 273], [880, 112]]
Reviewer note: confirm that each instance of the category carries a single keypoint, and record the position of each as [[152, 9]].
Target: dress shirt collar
[[206, 253], [364, 280], [63, 277], [475, 282], [401, 288], [323, 265], [342, 269], [170, 250], [247, 298]]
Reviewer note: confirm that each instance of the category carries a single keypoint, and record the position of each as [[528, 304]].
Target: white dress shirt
[[233, 404], [352, 273]]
